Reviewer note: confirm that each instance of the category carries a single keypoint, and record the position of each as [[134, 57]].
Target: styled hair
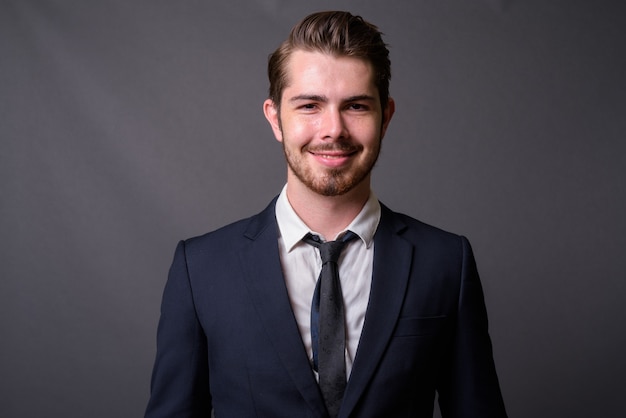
[[335, 33]]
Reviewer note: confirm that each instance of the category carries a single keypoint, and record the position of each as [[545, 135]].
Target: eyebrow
[[312, 97], [318, 98]]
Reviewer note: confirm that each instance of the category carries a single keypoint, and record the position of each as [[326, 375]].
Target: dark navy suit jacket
[[228, 339]]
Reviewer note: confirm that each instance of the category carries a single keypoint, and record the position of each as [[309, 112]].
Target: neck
[[327, 215]]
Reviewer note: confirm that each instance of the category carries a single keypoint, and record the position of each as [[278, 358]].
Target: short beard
[[335, 182], [332, 184]]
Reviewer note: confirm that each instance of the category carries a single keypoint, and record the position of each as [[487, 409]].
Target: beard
[[335, 181]]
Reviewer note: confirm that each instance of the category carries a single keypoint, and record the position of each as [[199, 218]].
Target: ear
[[387, 115], [271, 114]]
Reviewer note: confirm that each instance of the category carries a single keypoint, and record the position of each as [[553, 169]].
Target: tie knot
[[330, 250]]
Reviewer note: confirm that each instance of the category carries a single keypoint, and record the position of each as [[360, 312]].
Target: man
[[248, 330]]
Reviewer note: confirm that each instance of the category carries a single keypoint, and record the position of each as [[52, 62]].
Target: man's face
[[330, 123]]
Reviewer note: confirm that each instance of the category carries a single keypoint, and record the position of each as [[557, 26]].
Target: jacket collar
[[264, 279], [392, 264]]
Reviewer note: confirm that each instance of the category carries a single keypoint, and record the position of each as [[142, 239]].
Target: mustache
[[332, 147]]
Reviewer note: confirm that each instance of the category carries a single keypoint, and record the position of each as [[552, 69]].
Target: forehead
[[320, 70]]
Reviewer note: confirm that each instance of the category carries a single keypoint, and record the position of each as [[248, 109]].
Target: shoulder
[[410, 226], [233, 235], [422, 234]]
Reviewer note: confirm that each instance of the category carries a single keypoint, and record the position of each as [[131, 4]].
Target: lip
[[332, 159]]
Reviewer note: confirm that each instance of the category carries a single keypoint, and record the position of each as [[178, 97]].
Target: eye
[[357, 106], [308, 106]]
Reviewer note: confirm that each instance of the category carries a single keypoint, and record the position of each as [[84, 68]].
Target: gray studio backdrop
[[128, 125]]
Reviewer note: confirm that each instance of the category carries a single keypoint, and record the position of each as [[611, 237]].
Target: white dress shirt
[[301, 264]]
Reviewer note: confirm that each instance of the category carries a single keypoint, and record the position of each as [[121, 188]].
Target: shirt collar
[[293, 229]]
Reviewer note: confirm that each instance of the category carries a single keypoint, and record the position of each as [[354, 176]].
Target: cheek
[[299, 131], [369, 132]]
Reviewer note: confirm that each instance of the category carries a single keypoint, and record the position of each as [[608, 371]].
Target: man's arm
[[471, 388], [180, 379]]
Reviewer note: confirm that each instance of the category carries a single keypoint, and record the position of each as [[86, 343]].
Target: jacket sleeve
[[180, 378], [470, 388]]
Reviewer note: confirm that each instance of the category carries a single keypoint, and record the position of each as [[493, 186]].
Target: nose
[[333, 126]]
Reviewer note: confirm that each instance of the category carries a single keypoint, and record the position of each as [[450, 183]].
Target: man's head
[[337, 34], [329, 103]]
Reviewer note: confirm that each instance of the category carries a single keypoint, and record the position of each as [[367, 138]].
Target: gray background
[[128, 125]]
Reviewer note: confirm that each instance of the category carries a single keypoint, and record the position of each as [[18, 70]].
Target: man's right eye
[[308, 106]]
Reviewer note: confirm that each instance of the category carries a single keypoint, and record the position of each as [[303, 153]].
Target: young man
[[397, 314]]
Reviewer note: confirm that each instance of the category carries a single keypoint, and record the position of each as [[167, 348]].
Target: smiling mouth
[[333, 152], [334, 159], [332, 155]]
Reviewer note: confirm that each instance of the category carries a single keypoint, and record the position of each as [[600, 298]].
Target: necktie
[[328, 334]]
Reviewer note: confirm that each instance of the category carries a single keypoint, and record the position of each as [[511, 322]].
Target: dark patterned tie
[[328, 329]]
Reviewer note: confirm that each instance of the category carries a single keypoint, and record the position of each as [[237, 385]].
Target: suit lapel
[[391, 268], [264, 278]]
